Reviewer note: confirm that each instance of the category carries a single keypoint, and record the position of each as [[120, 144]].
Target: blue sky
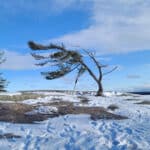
[[117, 31]]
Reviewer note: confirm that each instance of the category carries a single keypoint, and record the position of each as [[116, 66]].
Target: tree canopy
[[65, 61]]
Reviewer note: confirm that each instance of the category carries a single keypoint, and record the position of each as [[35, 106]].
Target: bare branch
[[95, 61], [97, 64], [81, 71], [89, 71], [104, 66], [110, 71]]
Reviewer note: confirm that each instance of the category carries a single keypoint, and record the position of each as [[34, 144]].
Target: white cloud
[[116, 27], [133, 76], [17, 61], [145, 87], [147, 65]]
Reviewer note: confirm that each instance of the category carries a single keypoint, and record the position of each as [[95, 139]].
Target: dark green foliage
[[37, 57], [58, 55], [64, 61], [35, 46], [56, 74], [2, 59], [3, 82]]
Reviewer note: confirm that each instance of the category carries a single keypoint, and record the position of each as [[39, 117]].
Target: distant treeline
[[141, 93]]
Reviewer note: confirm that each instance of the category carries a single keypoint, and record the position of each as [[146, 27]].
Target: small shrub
[[83, 99], [112, 107]]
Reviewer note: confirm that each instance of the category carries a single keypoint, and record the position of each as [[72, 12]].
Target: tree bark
[[100, 89]]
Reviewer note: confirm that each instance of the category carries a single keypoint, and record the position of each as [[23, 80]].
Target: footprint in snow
[[128, 130], [50, 128], [27, 141], [93, 123], [37, 142], [102, 126], [113, 134], [65, 118]]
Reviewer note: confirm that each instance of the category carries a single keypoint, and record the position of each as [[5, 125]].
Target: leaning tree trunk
[[100, 89]]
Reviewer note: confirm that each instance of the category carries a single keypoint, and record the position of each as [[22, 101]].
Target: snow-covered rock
[[112, 93], [43, 110]]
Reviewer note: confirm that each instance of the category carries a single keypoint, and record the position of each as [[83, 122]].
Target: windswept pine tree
[[65, 61], [3, 81]]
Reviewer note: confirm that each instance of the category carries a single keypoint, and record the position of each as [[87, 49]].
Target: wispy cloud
[[17, 61], [147, 65], [133, 76]]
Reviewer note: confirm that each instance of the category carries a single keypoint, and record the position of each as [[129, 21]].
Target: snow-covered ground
[[10, 94], [79, 132]]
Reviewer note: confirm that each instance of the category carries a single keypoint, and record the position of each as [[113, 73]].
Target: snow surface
[[10, 93], [79, 132], [51, 97]]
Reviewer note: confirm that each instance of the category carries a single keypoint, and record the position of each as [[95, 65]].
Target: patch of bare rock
[[18, 113]]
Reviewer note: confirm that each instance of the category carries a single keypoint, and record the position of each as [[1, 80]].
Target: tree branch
[[89, 70], [97, 64], [93, 58], [35, 46], [110, 71]]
